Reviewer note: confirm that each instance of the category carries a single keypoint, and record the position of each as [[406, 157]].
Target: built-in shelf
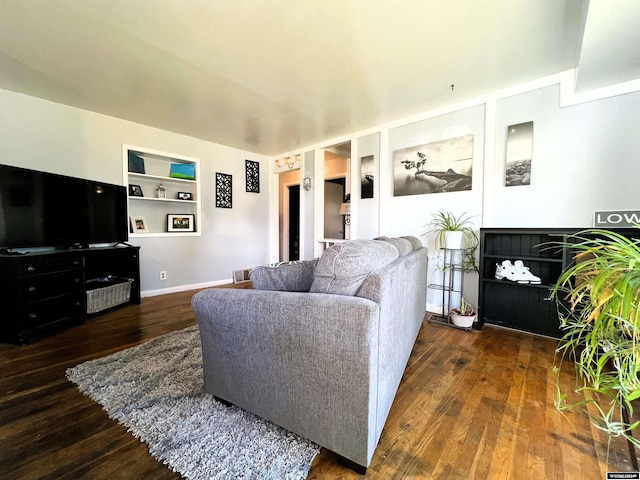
[[160, 177], [151, 199], [546, 286], [524, 258], [144, 202], [166, 234]]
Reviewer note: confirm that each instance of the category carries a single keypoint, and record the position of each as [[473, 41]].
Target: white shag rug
[[156, 390]]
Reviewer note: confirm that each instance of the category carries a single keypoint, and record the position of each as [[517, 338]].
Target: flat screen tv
[[39, 209]]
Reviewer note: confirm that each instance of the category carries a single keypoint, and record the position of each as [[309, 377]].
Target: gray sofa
[[324, 361]]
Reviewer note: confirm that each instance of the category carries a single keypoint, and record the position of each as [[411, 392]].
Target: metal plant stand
[[451, 286]]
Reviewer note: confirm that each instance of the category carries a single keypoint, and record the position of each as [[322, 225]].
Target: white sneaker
[[524, 275], [515, 272], [505, 270]]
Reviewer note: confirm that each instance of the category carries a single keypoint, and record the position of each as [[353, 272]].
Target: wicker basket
[[107, 292]]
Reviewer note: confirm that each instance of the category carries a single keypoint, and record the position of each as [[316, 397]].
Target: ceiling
[[272, 76]]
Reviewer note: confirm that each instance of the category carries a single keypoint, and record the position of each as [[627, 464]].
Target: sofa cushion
[[285, 276], [402, 244], [415, 241], [343, 266]]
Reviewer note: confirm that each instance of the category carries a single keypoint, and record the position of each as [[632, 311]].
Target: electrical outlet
[[163, 275]]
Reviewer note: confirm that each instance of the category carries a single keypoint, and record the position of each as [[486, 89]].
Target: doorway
[[337, 159], [289, 215], [293, 228], [334, 193]]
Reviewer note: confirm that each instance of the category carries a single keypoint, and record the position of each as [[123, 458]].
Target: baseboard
[[184, 288], [434, 309]]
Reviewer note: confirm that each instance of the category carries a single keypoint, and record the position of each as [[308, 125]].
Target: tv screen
[[39, 209]]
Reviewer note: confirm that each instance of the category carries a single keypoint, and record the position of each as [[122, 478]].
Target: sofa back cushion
[[343, 266], [294, 276], [403, 245], [414, 241]]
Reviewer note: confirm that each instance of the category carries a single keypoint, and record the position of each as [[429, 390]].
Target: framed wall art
[[223, 190], [436, 167], [366, 176], [518, 154], [252, 176]]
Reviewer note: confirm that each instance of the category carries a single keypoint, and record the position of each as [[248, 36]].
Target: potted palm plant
[[598, 298], [463, 316]]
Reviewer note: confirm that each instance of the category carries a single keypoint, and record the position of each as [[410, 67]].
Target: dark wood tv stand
[[45, 291]]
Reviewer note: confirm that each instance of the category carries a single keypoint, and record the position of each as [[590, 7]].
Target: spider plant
[[598, 298], [448, 222]]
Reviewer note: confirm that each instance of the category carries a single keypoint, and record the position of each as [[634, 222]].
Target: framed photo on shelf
[[180, 223], [185, 196], [135, 191], [136, 163], [184, 171], [139, 224]]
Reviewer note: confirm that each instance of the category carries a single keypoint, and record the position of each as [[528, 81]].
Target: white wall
[[366, 220], [411, 214], [586, 157], [307, 242], [47, 136]]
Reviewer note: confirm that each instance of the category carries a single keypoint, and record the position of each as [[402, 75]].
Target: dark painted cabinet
[[525, 307], [515, 305], [46, 291]]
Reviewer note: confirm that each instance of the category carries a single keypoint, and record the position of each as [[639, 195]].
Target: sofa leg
[[356, 467]]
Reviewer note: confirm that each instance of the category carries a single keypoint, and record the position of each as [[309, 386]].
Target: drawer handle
[[32, 289], [77, 280], [33, 316], [31, 268]]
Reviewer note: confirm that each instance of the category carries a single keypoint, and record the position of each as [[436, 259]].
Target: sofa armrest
[[305, 361]]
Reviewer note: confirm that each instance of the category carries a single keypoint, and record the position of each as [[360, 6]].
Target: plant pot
[[465, 321], [453, 239]]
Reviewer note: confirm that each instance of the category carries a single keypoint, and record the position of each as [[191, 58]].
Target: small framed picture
[[185, 196], [180, 223], [139, 224], [136, 163], [135, 191]]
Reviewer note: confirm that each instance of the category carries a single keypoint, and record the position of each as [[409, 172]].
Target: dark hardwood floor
[[471, 405]]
